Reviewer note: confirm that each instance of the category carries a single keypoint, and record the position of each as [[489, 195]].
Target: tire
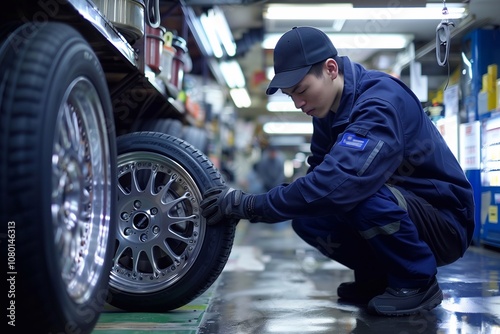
[[167, 126], [57, 178], [197, 137], [165, 253]]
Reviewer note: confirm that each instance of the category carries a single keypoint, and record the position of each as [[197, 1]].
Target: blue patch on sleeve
[[352, 141]]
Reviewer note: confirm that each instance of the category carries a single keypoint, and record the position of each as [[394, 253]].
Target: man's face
[[314, 95]]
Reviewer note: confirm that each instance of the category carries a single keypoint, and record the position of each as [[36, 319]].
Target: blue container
[[480, 48]]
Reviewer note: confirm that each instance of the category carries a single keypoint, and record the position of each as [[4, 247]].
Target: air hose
[[153, 18], [443, 38]]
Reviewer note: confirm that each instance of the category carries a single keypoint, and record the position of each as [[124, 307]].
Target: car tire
[[165, 254], [57, 178]]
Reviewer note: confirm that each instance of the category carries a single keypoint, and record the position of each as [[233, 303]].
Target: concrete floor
[[275, 283]]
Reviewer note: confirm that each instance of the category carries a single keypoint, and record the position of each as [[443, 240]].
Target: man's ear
[[332, 68]]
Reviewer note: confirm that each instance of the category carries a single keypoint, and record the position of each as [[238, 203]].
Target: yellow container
[[486, 83], [492, 97], [493, 72], [498, 94], [490, 87]]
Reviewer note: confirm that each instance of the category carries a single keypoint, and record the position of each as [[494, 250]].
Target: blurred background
[[227, 64]]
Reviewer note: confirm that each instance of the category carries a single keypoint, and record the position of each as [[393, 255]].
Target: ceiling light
[[288, 128], [240, 97], [306, 12], [281, 106], [224, 32], [280, 102], [355, 41], [209, 29], [347, 12], [232, 73], [218, 33]]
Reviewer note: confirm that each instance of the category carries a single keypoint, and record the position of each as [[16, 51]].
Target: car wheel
[[57, 178], [165, 254]]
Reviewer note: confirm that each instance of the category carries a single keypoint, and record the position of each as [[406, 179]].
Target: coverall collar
[[348, 95]]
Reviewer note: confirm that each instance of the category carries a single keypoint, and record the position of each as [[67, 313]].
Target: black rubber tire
[[45, 71], [167, 126], [197, 137], [133, 290]]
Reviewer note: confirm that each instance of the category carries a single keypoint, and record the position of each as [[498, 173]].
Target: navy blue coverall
[[383, 195]]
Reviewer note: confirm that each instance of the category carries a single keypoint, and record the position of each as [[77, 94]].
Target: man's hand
[[224, 202]]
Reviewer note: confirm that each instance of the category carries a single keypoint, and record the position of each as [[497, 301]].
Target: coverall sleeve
[[362, 159]]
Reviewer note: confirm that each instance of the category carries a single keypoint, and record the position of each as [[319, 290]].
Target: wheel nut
[[154, 211], [156, 229], [125, 216], [144, 237]]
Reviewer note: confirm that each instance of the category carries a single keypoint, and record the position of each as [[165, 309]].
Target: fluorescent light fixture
[[355, 41], [224, 32], [306, 12], [288, 128], [218, 33], [279, 102], [240, 97], [207, 21], [347, 12], [232, 73], [281, 106], [199, 35]]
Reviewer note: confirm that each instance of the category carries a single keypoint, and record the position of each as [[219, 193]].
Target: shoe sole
[[428, 305]]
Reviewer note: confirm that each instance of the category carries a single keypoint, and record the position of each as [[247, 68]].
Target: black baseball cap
[[296, 51]]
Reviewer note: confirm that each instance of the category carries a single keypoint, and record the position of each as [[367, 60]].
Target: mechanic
[[383, 195]]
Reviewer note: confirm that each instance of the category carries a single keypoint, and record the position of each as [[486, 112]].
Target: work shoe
[[397, 302], [360, 292]]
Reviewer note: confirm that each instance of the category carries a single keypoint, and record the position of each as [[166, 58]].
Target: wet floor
[[275, 283]]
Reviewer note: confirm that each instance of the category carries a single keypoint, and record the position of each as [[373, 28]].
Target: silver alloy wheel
[[81, 189], [159, 229]]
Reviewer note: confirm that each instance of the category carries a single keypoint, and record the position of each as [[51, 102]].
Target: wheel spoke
[[119, 253], [135, 259], [135, 189], [151, 258], [65, 129], [177, 236], [173, 204], [164, 191]]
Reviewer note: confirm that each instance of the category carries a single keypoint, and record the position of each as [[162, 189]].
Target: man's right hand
[[225, 202]]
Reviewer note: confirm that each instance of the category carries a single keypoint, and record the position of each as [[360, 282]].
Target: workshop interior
[[117, 115]]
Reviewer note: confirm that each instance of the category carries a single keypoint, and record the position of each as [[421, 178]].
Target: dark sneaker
[[360, 292], [396, 302]]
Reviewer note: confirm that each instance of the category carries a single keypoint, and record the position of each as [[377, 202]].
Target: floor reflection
[[275, 283]]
